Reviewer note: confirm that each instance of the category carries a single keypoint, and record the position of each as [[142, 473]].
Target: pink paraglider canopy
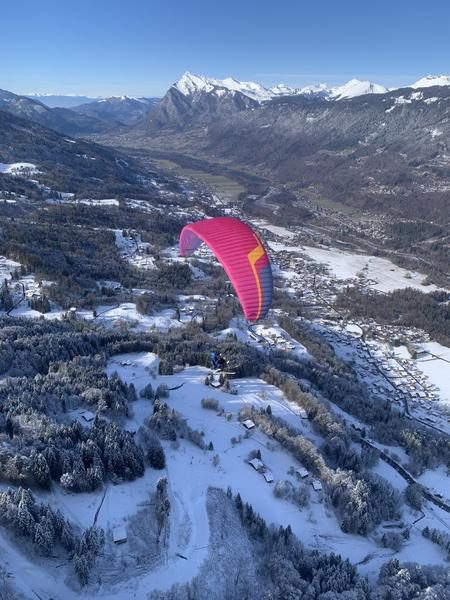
[[243, 256]]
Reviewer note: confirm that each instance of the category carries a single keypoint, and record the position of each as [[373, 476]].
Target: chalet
[[248, 424], [256, 464], [268, 476], [302, 472], [317, 486], [302, 413], [119, 535], [87, 416]]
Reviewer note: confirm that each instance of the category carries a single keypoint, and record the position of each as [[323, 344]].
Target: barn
[[119, 535], [256, 464]]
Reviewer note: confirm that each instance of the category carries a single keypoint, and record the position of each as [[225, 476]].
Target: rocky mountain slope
[[382, 151], [63, 120], [63, 163]]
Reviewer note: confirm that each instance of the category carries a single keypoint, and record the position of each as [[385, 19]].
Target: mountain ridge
[[63, 120], [383, 152], [190, 84]]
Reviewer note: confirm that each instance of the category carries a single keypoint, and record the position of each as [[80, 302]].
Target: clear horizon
[[106, 95], [108, 49]]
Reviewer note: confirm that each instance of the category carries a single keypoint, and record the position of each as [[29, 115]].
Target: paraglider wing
[[242, 255]]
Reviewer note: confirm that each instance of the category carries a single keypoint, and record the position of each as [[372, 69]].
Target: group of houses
[[261, 468]]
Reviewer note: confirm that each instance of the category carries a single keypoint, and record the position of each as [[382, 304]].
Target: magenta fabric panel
[[242, 255]]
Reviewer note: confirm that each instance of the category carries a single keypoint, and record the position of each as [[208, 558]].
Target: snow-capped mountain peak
[[121, 99], [248, 88], [431, 80], [320, 90], [283, 90], [190, 84], [355, 87]]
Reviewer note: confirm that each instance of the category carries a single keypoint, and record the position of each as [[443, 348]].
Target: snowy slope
[[431, 80], [191, 84], [355, 87], [19, 168]]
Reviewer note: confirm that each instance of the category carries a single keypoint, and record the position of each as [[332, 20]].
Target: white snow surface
[[355, 87], [190, 84], [437, 368], [190, 472], [126, 312], [437, 481], [431, 80], [19, 169], [384, 275]]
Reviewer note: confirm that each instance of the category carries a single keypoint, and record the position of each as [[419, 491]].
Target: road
[[407, 476]]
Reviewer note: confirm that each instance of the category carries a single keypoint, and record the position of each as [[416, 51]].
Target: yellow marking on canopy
[[253, 258]]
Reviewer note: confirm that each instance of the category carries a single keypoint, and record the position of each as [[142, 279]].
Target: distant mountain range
[[61, 100], [97, 116], [191, 84], [359, 144], [63, 120], [122, 109]]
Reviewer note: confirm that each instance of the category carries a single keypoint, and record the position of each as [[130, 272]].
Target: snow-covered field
[[190, 472], [127, 313], [275, 229], [193, 470], [438, 481], [7, 267], [385, 276], [436, 366], [19, 169]]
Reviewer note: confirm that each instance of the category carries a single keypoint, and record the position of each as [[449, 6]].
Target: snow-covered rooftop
[[119, 534], [317, 486], [302, 472], [256, 464]]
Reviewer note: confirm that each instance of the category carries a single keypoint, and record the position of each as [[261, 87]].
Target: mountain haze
[[63, 120], [121, 109]]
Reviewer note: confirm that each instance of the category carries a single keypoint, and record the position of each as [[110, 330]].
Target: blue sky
[[139, 47]]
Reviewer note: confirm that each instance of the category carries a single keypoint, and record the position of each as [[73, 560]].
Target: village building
[[316, 484], [268, 476], [302, 472], [256, 464], [119, 535], [87, 416]]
